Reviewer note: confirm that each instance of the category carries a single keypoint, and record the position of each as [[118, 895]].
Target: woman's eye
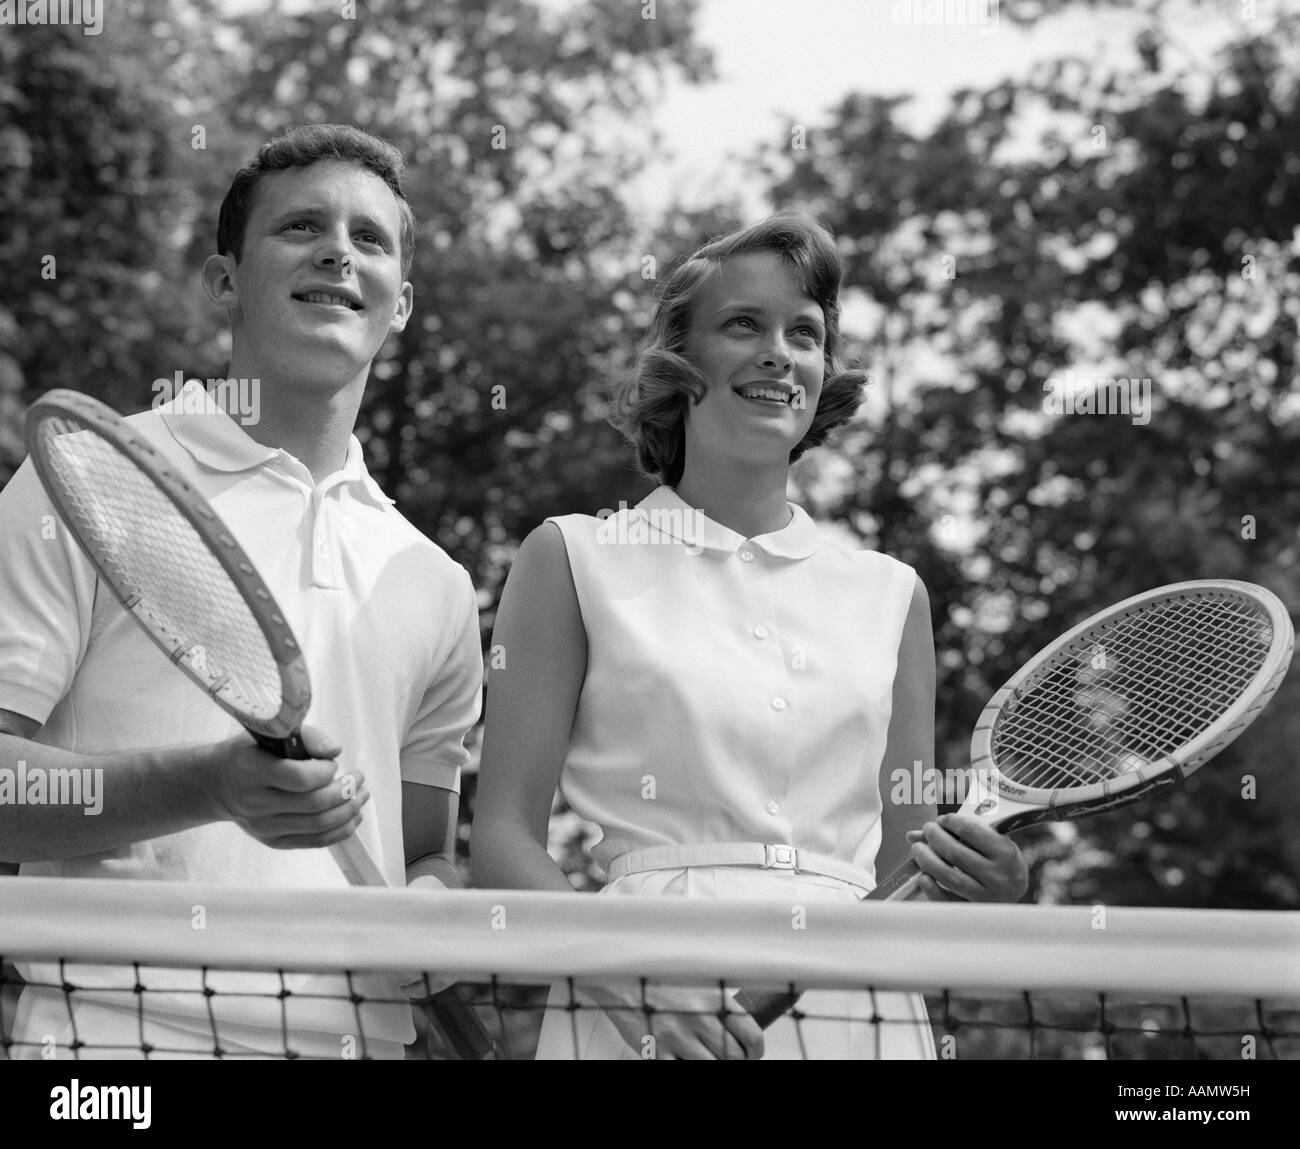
[[745, 320]]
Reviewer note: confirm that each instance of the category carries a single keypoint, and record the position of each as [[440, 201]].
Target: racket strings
[[161, 565], [1132, 691]]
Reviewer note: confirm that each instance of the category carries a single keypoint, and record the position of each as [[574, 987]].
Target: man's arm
[[429, 832], [125, 798], [137, 795], [434, 751]]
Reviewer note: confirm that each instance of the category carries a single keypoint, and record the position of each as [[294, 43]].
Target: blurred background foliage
[[1135, 219]]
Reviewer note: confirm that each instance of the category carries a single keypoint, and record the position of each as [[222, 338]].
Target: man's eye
[[296, 223], [745, 319]]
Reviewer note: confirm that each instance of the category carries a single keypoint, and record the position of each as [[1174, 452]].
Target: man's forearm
[[437, 866], [56, 804]]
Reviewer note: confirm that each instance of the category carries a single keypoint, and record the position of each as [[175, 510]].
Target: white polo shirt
[[387, 621]]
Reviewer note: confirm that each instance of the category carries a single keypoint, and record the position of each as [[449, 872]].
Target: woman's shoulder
[[841, 547]]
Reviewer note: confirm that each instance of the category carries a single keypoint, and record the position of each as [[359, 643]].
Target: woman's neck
[[750, 504]]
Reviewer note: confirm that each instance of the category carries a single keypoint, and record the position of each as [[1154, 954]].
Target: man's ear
[[219, 280], [402, 312]]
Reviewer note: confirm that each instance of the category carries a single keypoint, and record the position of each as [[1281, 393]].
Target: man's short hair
[[310, 144]]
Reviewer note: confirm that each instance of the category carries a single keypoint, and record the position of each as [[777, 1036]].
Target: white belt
[[739, 854]]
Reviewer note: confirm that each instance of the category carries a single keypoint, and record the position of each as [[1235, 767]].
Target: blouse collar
[[668, 513]]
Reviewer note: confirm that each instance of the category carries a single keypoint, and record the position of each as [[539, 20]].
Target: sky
[[779, 59]]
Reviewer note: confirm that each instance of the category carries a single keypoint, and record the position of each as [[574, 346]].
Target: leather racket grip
[[766, 1006], [460, 1025], [291, 747]]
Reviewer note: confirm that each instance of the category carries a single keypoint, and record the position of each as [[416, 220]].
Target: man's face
[[319, 286]]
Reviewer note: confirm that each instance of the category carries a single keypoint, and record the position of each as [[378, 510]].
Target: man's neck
[[313, 424]]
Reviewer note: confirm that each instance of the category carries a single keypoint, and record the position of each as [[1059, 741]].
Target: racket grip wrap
[[766, 1006], [291, 747], [460, 1026], [902, 885]]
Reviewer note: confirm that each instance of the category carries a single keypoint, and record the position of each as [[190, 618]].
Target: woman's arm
[[907, 769], [538, 666], [961, 857]]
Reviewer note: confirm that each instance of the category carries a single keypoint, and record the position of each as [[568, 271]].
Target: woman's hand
[[964, 859], [667, 1023]]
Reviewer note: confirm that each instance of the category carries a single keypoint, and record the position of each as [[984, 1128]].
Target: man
[[314, 248]]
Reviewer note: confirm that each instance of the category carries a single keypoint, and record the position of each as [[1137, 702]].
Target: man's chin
[[322, 360]]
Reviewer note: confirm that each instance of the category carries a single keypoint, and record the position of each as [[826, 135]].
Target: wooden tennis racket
[[1131, 701], [180, 574]]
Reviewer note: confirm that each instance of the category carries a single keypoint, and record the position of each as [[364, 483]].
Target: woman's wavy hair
[[650, 407]]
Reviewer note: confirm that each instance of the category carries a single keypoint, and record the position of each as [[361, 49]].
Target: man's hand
[[286, 803], [964, 859]]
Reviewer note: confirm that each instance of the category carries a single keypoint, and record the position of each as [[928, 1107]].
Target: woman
[[706, 676]]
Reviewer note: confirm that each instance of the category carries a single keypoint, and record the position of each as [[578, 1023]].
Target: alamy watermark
[[651, 526], [917, 786], [88, 13], [25, 785], [1072, 394], [77, 1102], [981, 14], [240, 398]]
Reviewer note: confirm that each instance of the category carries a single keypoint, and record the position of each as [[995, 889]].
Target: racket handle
[[290, 747], [902, 885], [356, 863], [457, 1020], [351, 854], [765, 1006], [459, 1024]]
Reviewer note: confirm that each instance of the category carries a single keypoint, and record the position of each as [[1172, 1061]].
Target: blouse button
[[760, 632], [772, 807], [778, 704], [747, 556]]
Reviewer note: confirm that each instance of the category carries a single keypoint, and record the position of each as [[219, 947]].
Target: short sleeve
[[434, 751], [47, 598]]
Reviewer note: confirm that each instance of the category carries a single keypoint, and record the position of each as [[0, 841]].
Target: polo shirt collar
[[222, 445], [798, 539]]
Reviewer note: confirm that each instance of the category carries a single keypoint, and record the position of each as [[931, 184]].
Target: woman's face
[[759, 341]]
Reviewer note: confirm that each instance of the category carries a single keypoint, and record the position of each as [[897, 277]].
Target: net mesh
[[362, 974], [1129, 694], [161, 567]]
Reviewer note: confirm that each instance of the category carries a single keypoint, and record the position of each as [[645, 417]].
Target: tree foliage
[[1111, 217], [1109, 222]]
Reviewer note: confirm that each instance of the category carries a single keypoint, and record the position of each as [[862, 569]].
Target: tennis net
[[96, 969]]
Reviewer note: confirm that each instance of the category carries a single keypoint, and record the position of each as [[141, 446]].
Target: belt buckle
[[780, 858]]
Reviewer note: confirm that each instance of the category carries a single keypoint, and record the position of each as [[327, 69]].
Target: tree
[[1148, 235]]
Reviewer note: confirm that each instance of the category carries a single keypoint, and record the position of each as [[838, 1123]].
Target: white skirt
[[840, 1024]]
